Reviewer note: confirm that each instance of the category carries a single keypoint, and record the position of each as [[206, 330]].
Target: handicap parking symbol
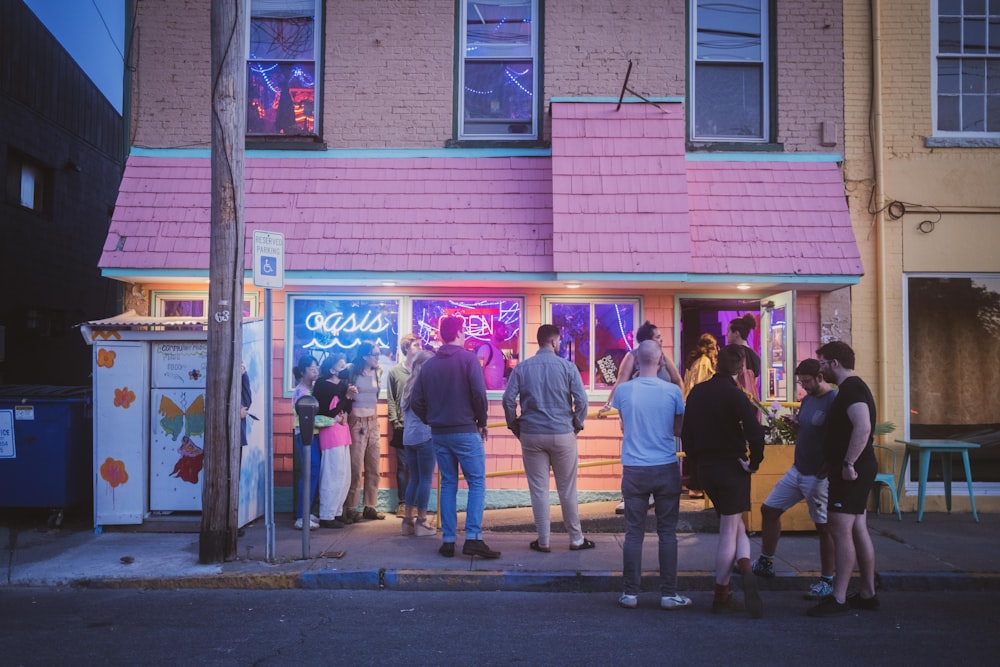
[[268, 265]]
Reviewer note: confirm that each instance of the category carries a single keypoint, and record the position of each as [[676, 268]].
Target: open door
[[777, 347]]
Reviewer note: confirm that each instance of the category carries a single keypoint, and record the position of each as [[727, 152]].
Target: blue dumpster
[[46, 446]]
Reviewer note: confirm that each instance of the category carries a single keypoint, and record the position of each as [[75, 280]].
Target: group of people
[[438, 408], [345, 450]]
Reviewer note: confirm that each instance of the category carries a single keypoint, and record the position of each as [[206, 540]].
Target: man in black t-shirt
[[849, 460]]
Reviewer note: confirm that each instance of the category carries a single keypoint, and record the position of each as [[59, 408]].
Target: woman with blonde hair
[[701, 362], [418, 452]]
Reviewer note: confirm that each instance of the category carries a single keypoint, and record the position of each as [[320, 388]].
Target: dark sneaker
[[763, 567], [751, 598], [479, 548], [728, 606], [819, 590], [330, 523], [855, 601], [344, 520], [447, 549], [829, 607], [371, 515]]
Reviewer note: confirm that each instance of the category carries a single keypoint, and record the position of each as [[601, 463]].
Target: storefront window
[[954, 348], [321, 325], [492, 330], [193, 304], [596, 336]]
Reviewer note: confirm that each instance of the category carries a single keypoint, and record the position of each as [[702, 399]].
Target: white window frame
[[959, 489], [937, 57], [160, 297], [637, 309], [317, 9], [463, 58], [764, 62], [29, 183]]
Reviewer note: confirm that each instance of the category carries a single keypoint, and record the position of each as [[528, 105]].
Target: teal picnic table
[[923, 449]]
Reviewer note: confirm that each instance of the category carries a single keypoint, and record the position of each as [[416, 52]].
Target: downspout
[[878, 154]]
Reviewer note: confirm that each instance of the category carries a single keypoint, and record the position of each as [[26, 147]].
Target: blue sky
[[93, 32]]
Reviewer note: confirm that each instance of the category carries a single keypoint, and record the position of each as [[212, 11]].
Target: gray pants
[[664, 483], [540, 451]]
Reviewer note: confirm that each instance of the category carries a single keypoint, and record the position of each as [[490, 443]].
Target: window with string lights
[[596, 335], [493, 328], [498, 51], [282, 66]]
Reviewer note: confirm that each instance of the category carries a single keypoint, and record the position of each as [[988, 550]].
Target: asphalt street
[[49, 626]]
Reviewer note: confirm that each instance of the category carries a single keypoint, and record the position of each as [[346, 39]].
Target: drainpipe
[[878, 155]]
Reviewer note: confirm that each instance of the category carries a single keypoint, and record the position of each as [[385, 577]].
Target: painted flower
[[124, 397], [113, 472], [194, 374], [105, 358]]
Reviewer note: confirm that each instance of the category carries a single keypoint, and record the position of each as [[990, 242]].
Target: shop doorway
[[712, 316], [772, 338]]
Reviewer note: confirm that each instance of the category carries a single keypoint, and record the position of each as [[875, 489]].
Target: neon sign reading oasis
[[320, 325], [328, 327]]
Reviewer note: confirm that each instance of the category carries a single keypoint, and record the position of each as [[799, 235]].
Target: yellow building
[[922, 171]]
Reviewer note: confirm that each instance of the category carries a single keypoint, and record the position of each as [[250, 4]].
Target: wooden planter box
[[777, 460]]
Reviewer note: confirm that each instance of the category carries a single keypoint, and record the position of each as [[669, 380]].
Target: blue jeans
[[315, 458], [420, 462], [465, 450], [664, 483]]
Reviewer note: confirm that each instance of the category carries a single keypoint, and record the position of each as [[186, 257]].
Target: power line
[[108, 30]]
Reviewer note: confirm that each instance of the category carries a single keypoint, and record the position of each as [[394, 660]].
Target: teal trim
[[347, 154], [365, 279], [614, 100], [396, 153], [763, 157], [156, 274], [593, 279], [495, 499]]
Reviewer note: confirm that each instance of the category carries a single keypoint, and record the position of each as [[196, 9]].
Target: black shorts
[[851, 497], [397, 438], [727, 485]]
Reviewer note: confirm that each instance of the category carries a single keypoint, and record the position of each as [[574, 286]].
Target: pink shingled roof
[[617, 196], [351, 214], [619, 193], [788, 218]]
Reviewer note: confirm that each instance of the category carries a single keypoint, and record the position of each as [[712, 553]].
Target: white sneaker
[[671, 602], [628, 601], [620, 508], [314, 518], [313, 525]]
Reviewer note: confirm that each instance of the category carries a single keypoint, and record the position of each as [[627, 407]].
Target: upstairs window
[[967, 68], [730, 81], [29, 183], [283, 67], [497, 73]]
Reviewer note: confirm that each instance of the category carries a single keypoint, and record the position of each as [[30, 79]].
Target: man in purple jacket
[[450, 396]]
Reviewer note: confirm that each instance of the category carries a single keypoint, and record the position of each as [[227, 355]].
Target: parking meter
[[306, 408]]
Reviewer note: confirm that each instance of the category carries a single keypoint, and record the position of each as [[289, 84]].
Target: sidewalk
[[943, 552]]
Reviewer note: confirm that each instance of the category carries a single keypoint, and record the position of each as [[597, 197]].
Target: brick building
[[61, 154], [593, 165]]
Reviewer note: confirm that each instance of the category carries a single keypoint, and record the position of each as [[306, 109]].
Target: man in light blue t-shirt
[[651, 414]]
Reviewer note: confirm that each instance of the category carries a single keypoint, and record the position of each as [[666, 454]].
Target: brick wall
[[389, 67]]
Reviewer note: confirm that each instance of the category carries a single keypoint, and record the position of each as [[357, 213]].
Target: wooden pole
[[220, 492]]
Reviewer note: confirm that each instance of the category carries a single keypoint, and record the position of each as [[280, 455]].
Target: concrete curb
[[517, 581]]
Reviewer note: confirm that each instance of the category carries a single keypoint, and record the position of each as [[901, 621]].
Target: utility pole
[[220, 492]]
